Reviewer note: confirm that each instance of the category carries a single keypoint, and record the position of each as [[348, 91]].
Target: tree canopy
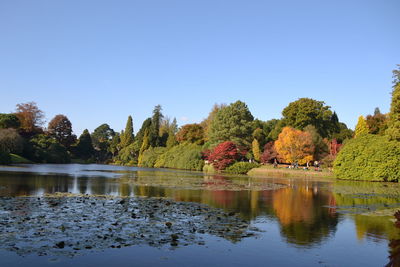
[[232, 123], [307, 111], [60, 128], [30, 116]]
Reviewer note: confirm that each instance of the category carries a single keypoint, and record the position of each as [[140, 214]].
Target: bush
[[5, 157], [151, 155], [369, 157], [223, 155], [184, 156], [241, 167], [208, 168], [44, 149]]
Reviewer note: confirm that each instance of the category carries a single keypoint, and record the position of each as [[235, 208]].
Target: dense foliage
[[369, 157], [184, 156], [60, 128], [295, 146], [223, 155], [150, 156], [393, 130], [9, 121], [241, 167], [232, 123], [307, 111], [192, 133]]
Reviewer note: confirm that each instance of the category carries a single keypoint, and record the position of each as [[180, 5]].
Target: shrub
[[184, 156], [369, 157], [241, 167], [4, 157], [151, 155], [223, 155]]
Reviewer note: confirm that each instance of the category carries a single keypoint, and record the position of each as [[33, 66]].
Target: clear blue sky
[[100, 61]]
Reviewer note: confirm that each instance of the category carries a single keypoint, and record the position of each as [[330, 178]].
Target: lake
[[102, 215]]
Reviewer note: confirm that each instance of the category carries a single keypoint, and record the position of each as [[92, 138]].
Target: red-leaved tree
[[269, 153], [223, 155]]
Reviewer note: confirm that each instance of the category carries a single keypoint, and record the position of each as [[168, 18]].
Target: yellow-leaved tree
[[295, 146]]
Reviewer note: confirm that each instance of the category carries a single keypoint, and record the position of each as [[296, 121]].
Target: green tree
[[369, 157], [144, 147], [361, 127], [84, 148], [206, 123], [307, 111], [171, 141], [393, 130], [9, 121], [192, 133], [154, 133], [45, 149], [232, 123], [60, 128], [256, 150], [321, 148], [114, 147], [127, 137]]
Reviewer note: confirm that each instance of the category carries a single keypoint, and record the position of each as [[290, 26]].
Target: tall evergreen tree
[[127, 136], [393, 130], [154, 134], [361, 127], [84, 148]]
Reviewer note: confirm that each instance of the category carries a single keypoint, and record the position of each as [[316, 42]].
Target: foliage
[[206, 124], [17, 159], [241, 167], [278, 126], [307, 111], [393, 130], [321, 148], [369, 157], [30, 116], [295, 146], [127, 156], [192, 133], [144, 147], [114, 146], [11, 141], [328, 161], [102, 136], [255, 145], [185, 156], [5, 157], [343, 134], [60, 128], [377, 123], [232, 123], [9, 121], [150, 156], [361, 127], [223, 155], [45, 149], [269, 154], [84, 148], [154, 133], [127, 136]]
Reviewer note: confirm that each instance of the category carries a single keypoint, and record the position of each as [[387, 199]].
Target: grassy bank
[[15, 159], [282, 171]]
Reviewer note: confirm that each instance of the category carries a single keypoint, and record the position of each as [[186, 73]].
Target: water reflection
[[308, 212]]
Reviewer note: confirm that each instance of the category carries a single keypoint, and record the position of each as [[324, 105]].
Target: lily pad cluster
[[68, 225]]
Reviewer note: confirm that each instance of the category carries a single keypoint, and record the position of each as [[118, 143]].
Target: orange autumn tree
[[295, 146]]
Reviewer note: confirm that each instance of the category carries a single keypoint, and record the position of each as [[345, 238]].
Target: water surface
[[301, 222]]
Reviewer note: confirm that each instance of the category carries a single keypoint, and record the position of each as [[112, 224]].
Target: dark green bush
[[5, 157], [241, 167], [151, 155], [184, 156], [369, 157]]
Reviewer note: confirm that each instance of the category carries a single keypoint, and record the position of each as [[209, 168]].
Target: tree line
[[308, 131]]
